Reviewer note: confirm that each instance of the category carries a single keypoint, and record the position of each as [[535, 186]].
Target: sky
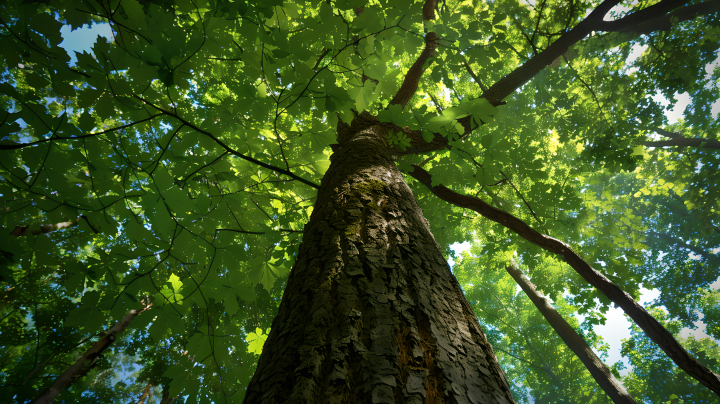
[[616, 327], [82, 39]]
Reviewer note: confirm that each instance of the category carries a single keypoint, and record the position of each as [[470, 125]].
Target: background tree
[[188, 151]]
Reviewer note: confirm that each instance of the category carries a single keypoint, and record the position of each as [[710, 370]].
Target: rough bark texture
[[652, 328], [86, 361], [602, 375], [371, 312]]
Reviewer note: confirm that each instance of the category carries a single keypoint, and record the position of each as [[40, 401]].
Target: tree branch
[[672, 135], [20, 231], [548, 371], [22, 145], [498, 91], [658, 17], [686, 142], [228, 148], [652, 328], [412, 78], [473, 75]]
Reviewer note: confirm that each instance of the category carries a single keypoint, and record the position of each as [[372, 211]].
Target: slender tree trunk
[[371, 312], [86, 361], [602, 375], [145, 394]]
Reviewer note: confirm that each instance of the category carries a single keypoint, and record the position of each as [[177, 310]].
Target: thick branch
[[659, 17], [145, 394], [602, 375], [429, 10], [654, 18], [641, 21], [498, 91], [652, 328], [20, 231], [412, 78]]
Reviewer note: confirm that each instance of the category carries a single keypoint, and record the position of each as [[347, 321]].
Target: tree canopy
[[172, 169]]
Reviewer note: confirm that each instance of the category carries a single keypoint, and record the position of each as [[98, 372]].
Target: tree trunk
[[145, 394], [86, 362], [371, 312], [602, 375]]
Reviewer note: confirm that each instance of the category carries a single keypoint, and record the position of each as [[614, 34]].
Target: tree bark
[[652, 328], [602, 375], [86, 361], [371, 312]]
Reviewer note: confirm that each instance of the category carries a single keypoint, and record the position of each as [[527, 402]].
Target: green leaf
[[135, 12], [175, 282], [256, 340]]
